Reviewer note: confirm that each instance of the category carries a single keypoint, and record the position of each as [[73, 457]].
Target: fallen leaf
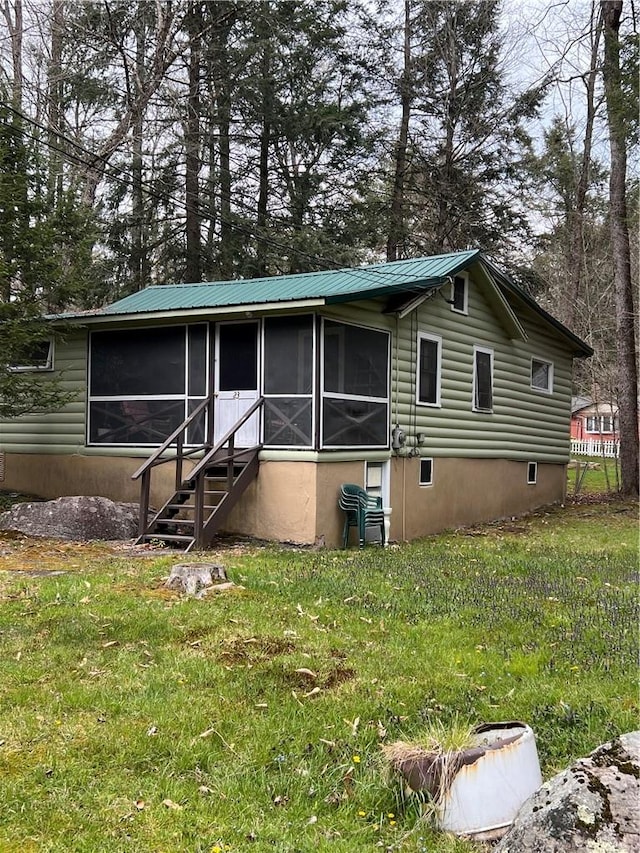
[[171, 805], [313, 819], [109, 644], [313, 692], [152, 730], [304, 671], [140, 804], [354, 725]]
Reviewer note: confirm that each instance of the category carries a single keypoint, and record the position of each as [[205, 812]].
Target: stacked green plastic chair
[[362, 510]]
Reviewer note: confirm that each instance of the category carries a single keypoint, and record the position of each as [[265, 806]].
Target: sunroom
[[325, 384]]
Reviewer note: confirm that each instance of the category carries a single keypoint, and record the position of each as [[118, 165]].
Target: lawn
[[133, 719], [595, 475]]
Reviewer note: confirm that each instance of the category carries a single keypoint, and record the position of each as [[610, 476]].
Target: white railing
[[584, 447]]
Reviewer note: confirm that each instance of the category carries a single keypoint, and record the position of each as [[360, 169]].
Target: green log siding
[[61, 431], [525, 424]]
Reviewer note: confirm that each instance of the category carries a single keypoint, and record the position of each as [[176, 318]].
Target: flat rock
[[592, 806], [78, 518]]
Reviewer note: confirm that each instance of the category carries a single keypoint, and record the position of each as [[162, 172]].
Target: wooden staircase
[[203, 499]]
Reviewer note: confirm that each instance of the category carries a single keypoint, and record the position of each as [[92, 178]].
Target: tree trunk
[[626, 350], [576, 246], [14, 25], [265, 141], [224, 146], [137, 263], [396, 237], [192, 149], [55, 94], [445, 179]]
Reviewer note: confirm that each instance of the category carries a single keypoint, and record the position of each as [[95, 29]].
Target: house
[[435, 383], [594, 421]]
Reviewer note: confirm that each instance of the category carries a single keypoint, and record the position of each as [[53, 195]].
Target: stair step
[[188, 506], [175, 521], [169, 537]]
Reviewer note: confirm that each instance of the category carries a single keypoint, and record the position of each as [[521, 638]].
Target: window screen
[[541, 375], [144, 382], [459, 295], [355, 360], [134, 421], [426, 472], [139, 362], [287, 421], [238, 357], [355, 405], [35, 355], [197, 336], [532, 472], [483, 380], [288, 355], [428, 371], [354, 422]]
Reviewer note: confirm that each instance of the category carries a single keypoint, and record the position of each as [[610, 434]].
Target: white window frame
[[532, 466], [372, 486], [599, 423], [465, 307], [427, 336], [386, 401], [424, 483], [312, 396], [184, 397], [488, 351], [538, 388], [47, 367]]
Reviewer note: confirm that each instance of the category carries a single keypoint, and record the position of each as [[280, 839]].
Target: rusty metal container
[[495, 776]]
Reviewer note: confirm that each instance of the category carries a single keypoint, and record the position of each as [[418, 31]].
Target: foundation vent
[[2, 457]]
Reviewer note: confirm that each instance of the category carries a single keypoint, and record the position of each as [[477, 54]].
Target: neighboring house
[[435, 383], [594, 421]]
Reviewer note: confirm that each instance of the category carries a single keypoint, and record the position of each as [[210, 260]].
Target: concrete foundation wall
[[53, 476], [467, 491], [297, 501]]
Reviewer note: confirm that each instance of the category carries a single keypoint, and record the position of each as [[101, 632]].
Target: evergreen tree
[[45, 265]]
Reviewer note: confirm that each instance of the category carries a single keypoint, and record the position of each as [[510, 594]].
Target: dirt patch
[[254, 649], [338, 675]]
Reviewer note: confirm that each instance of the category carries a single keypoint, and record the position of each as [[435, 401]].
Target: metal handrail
[[225, 438], [154, 458]]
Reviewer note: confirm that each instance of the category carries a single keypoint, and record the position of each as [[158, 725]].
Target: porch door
[[236, 377]]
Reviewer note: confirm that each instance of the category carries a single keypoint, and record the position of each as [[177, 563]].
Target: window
[[355, 390], [426, 472], [482, 379], [288, 381], [541, 375], [601, 424], [37, 355], [429, 362], [144, 382], [532, 473], [459, 294]]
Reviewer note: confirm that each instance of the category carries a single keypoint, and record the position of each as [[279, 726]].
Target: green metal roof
[[329, 285], [326, 287]]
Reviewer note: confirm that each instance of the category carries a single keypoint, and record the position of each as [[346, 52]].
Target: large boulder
[[593, 806], [79, 518]]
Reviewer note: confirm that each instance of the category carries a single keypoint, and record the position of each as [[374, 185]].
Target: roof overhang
[[185, 313], [579, 348]]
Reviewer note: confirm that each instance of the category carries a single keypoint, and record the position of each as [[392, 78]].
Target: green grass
[[602, 475], [132, 719]]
